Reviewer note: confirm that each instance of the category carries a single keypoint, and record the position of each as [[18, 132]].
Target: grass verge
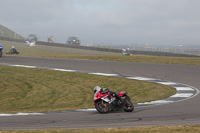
[[146, 59], [159, 129], [39, 90], [60, 52]]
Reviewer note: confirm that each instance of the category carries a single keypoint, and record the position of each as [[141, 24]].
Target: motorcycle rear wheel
[[102, 107], [128, 106]]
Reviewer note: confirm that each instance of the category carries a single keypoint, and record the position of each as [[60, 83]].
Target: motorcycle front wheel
[[128, 106], [102, 107]]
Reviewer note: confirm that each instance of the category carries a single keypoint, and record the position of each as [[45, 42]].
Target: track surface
[[178, 113]]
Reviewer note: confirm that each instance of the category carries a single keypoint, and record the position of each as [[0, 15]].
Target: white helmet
[[96, 89]]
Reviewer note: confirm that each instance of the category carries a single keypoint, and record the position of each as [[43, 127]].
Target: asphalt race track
[[185, 112]]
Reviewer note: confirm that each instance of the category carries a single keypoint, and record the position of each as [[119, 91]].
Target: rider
[[13, 51], [105, 90]]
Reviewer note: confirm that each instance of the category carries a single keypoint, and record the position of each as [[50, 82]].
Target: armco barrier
[[152, 53]]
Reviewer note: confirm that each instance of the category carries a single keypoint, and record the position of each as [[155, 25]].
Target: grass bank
[[146, 59], [39, 90], [165, 129], [60, 52]]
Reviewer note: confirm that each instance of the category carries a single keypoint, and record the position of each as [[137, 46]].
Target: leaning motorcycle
[[105, 103]]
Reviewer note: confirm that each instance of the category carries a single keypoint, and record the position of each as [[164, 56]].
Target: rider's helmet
[[96, 89]]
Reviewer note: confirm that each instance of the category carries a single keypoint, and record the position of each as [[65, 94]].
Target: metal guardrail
[[152, 53]]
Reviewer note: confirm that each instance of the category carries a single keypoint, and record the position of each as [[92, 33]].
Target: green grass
[[49, 51], [60, 52], [159, 129], [146, 59], [40, 90]]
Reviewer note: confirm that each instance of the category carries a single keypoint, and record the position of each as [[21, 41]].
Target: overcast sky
[[106, 21]]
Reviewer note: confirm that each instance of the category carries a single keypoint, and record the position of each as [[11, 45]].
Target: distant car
[[32, 37], [1, 52], [73, 41]]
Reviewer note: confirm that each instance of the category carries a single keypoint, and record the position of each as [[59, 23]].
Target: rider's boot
[[121, 102]]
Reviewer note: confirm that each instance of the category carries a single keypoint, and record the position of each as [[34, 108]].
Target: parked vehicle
[[32, 37], [1, 50], [73, 41], [105, 103]]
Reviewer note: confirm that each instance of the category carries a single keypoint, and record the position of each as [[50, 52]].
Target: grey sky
[[106, 21]]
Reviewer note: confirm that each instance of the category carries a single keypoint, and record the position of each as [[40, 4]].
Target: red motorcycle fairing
[[121, 94], [99, 95]]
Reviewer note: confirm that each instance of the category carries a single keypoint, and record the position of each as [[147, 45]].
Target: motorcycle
[[105, 103], [1, 52]]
